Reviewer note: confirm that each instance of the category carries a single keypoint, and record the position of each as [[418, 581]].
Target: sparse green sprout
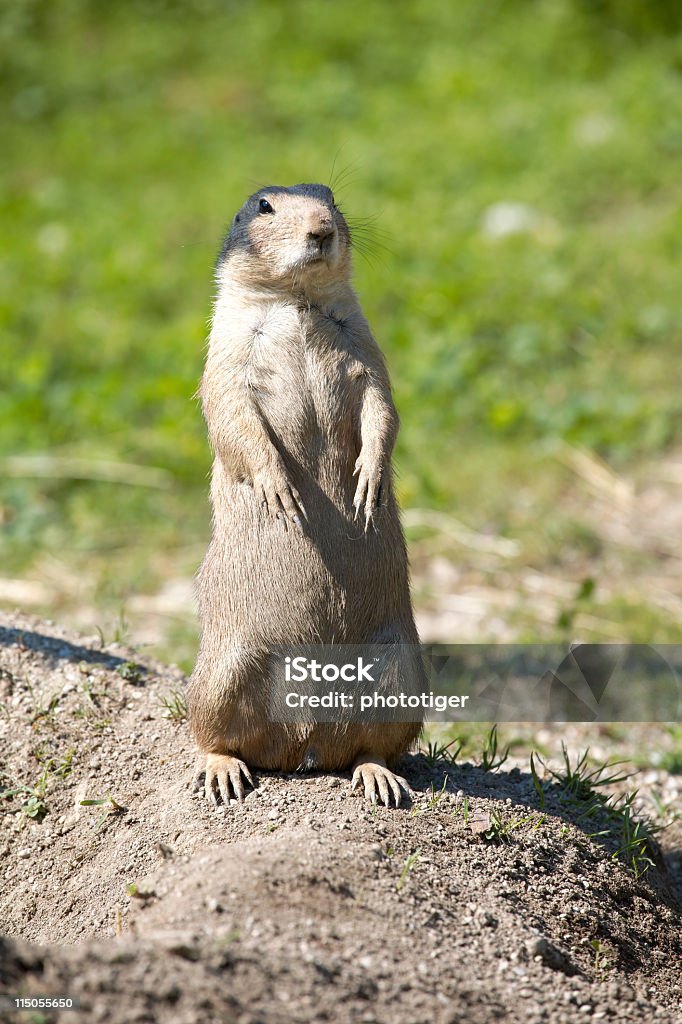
[[635, 836], [537, 782], [113, 807], [122, 629], [436, 795], [442, 752], [497, 829], [490, 759], [93, 708], [410, 862], [465, 810], [500, 830], [580, 782], [64, 766], [130, 671], [137, 892], [604, 957], [582, 786], [432, 801], [60, 767], [34, 808], [109, 800], [88, 692], [46, 711], [40, 788], [174, 705], [121, 635]]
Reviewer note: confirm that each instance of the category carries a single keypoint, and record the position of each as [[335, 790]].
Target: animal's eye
[[264, 206]]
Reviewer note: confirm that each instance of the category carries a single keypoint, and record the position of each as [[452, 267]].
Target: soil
[[302, 904]]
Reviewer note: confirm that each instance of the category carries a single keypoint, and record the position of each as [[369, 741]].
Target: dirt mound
[[121, 888]]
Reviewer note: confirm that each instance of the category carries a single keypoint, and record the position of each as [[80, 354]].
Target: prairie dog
[[307, 545]]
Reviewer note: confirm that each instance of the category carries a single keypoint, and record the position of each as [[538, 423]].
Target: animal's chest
[[310, 379]]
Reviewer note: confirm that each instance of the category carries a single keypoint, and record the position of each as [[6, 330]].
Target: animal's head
[[288, 237]]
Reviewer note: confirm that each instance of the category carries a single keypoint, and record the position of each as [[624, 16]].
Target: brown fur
[[297, 400]]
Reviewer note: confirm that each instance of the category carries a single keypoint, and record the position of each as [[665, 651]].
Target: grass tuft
[[491, 760]]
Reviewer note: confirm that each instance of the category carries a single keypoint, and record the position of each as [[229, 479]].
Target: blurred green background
[[519, 167]]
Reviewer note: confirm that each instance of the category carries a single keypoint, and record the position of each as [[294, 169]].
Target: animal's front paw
[[224, 773], [376, 779], [278, 496], [371, 489]]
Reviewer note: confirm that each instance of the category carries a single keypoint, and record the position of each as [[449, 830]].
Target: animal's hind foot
[[379, 782], [226, 774]]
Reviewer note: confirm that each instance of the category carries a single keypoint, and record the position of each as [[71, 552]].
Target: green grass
[[174, 705], [409, 864], [583, 787], [491, 760], [133, 132], [661, 749]]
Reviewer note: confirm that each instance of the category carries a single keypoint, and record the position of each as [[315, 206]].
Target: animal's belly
[[311, 406], [331, 581]]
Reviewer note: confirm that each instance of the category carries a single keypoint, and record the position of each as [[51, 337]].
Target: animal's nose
[[319, 230]]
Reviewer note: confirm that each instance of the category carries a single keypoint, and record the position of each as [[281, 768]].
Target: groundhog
[[307, 545]]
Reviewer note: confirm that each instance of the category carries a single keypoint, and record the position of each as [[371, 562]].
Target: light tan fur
[[307, 545]]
